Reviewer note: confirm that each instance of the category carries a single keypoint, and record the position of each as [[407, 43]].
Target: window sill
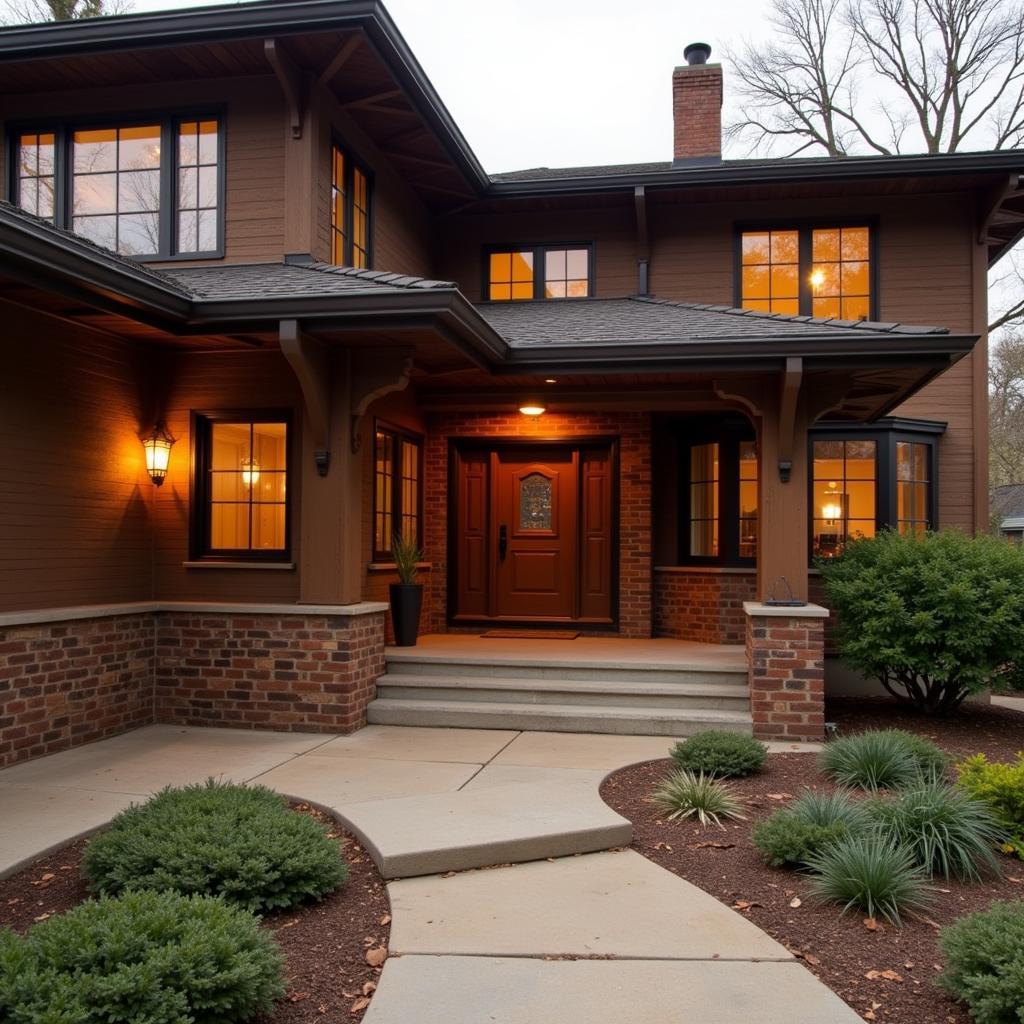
[[391, 567], [286, 566]]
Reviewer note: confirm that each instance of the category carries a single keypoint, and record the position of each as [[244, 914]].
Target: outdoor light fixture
[[532, 408], [250, 472], [157, 444]]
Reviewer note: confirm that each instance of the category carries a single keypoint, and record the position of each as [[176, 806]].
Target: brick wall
[[633, 429], [311, 673], [67, 683], [697, 111], [702, 606], [786, 658]]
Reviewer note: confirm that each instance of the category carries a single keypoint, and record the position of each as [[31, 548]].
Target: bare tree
[[33, 11], [1006, 410]]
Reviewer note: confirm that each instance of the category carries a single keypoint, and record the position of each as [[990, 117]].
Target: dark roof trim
[[898, 424]]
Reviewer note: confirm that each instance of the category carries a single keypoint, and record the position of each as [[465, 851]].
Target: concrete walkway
[[571, 924]]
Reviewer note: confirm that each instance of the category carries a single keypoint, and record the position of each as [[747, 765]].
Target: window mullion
[[168, 188], [804, 270]]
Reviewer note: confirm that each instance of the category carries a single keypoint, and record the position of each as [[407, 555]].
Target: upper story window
[[820, 271], [350, 211], [539, 272], [144, 190], [241, 494]]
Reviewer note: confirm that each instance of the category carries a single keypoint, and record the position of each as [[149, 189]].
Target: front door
[[533, 532]]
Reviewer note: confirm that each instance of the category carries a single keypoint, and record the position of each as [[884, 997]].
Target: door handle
[[502, 541]]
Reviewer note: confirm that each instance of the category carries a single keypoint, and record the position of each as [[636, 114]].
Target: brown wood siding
[[74, 518], [215, 381], [401, 225], [255, 140]]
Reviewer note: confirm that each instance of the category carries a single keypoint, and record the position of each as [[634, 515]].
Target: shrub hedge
[[1001, 787], [722, 754]]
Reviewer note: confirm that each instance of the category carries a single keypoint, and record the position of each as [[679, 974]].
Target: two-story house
[[630, 401]]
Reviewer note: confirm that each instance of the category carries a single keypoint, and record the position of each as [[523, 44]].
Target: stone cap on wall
[[758, 609]]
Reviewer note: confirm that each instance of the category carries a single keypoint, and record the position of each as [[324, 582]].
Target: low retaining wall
[[705, 605], [71, 676]]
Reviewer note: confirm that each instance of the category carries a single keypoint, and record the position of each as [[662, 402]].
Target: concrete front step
[[467, 714], [687, 696]]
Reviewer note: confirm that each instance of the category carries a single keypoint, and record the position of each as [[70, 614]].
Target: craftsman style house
[[634, 401]]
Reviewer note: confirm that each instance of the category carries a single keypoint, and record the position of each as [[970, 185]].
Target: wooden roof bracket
[[290, 79], [374, 374], [643, 246], [789, 398], [308, 359]]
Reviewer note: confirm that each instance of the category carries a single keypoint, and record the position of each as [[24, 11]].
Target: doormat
[[528, 634]]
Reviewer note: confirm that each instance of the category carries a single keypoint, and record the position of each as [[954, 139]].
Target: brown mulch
[[325, 944], [840, 949]]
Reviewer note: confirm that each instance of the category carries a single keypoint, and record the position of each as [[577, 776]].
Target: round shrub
[[984, 955], [787, 841], [145, 958], [240, 842], [723, 754], [829, 809], [933, 618], [684, 793], [871, 760], [869, 874], [948, 832], [999, 786]]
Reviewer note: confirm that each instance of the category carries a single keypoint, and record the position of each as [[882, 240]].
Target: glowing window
[[398, 471], [771, 271], [538, 272], [350, 212], [840, 273], [704, 500], [36, 173], [198, 186], [844, 499], [913, 487], [748, 499]]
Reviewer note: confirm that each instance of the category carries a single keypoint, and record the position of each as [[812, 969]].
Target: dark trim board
[[459, 444]]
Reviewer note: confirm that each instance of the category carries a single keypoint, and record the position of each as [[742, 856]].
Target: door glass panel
[[535, 499]]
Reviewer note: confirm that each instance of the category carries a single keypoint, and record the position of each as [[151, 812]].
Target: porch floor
[[660, 653]]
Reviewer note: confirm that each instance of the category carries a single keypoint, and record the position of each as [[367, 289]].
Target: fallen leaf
[[369, 988], [869, 1015], [796, 902], [297, 997], [871, 924], [376, 957], [41, 917], [887, 975], [359, 1005], [663, 846], [386, 919], [744, 904], [48, 877], [813, 960], [780, 796], [711, 845], [1016, 881]]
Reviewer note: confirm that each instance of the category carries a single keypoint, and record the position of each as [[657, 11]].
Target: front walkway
[[604, 935]]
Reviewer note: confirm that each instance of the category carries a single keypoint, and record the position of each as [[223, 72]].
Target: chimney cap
[[697, 53]]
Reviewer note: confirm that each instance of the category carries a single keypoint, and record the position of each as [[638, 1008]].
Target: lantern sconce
[[157, 444]]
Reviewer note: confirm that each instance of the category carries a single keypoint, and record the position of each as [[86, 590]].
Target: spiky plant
[[827, 809], [684, 794], [870, 760], [407, 555]]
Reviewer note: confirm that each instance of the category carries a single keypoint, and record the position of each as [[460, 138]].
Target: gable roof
[[1008, 502]]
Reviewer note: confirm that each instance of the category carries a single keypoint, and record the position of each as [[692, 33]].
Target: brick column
[[786, 669]]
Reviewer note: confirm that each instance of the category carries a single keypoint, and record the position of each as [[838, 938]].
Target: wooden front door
[[533, 537]]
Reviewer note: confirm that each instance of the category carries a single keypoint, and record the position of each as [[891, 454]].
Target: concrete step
[[706, 695], [469, 714]]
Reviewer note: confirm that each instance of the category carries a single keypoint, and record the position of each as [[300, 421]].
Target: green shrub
[[684, 793], [948, 832], [145, 958], [933, 618], [786, 840], [931, 760], [1001, 787], [723, 754], [240, 842], [870, 760], [984, 955], [828, 809], [869, 874]]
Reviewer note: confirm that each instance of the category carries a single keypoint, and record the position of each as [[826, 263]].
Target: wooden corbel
[[373, 375], [289, 77], [308, 359], [789, 397], [750, 393]]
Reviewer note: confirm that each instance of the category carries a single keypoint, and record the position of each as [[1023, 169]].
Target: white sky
[[559, 82]]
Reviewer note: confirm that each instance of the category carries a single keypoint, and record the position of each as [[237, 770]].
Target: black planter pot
[[406, 602]]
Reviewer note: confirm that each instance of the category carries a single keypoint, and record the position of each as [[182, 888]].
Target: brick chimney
[[697, 108]]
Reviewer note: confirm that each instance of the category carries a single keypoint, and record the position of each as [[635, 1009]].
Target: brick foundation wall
[[67, 683], [702, 606], [312, 673], [633, 429], [786, 658]]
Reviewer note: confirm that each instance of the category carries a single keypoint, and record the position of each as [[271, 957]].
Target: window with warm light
[[397, 490], [913, 486], [350, 211], [539, 272], [822, 271], [704, 500], [241, 487], [845, 482], [146, 190]]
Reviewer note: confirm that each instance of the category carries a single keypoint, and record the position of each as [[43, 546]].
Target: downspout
[[643, 253]]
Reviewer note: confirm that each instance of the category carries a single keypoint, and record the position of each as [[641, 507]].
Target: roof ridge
[[878, 326]]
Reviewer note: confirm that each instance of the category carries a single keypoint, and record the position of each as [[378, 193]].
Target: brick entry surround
[[705, 605], [86, 674]]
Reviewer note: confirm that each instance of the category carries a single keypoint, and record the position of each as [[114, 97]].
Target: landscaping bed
[[325, 944], [885, 972]]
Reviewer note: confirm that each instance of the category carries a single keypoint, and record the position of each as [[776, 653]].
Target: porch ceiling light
[[157, 445], [532, 408]]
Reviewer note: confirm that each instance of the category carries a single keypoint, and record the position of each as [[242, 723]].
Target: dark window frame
[[886, 433], [397, 433], [64, 129], [201, 422], [805, 226], [538, 249], [352, 161]]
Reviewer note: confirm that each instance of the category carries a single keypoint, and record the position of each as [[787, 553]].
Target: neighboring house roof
[[1008, 503], [1013, 523]]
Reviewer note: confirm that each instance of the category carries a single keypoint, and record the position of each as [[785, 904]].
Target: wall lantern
[[532, 408], [250, 472], [157, 446]]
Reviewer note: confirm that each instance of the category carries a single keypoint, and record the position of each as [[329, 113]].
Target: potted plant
[[406, 594]]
